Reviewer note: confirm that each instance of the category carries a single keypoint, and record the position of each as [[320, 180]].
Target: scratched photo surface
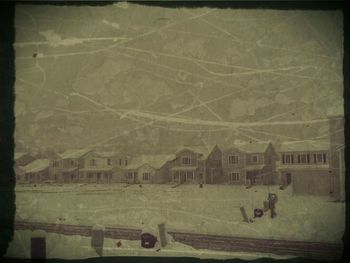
[[200, 132]]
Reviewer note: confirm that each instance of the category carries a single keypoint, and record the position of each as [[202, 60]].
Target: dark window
[[254, 159], [283, 161], [126, 162], [324, 158], [109, 162], [146, 176], [232, 159], [186, 160]]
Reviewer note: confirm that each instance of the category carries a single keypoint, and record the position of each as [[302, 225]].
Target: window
[[146, 176], [233, 159], [106, 175], [56, 164], [186, 160], [93, 162], [234, 177], [71, 163], [319, 158], [302, 158], [126, 162], [254, 159], [130, 175], [109, 162], [98, 175], [89, 175], [287, 158], [120, 162]]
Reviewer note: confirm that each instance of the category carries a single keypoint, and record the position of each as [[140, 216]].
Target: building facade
[[250, 163], [197, 164]]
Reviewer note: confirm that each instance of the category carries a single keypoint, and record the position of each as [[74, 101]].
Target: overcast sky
[[127, 73]]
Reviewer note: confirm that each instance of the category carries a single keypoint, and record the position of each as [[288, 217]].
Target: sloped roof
[[96, 169], [19, 155], [36, 166], [253, 147], [156, 161], [108, 154], [184, 168], [254, 167], [73, 154], [304, 146], [200, 149]]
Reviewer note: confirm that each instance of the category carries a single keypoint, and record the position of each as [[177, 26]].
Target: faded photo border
[[7, 119]]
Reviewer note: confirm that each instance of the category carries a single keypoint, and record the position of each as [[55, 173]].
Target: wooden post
[[266, 206], [97, 236], [162, 235], [38, 246], [244, 214]]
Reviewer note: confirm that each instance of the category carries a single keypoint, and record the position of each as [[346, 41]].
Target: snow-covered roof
[[36, 166], [304, 146], [70, 169], [96, 169], [105, 154], [253, 147], [156, 161], [184, 168], [199, 149], [254, 167], [19, 155], [302, 167], [73, 154]]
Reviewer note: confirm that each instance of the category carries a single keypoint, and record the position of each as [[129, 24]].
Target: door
[[182, 177], [288, 178]]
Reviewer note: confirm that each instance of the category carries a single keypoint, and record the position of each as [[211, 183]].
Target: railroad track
[[314, 250]]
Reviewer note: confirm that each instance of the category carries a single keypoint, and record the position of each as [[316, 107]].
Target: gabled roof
[[19, 155], [74, 154], [36, 166], [203, 150], [108, 154], [155, 161], [304, 146], [253, 147]]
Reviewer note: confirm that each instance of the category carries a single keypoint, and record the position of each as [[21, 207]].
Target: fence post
[[162, 235], [244, 214], [38, 246], [97, 238]]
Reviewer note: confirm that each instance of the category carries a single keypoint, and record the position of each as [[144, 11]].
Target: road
[[314, 250]]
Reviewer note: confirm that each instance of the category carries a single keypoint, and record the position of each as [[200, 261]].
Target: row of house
[[312, 167]]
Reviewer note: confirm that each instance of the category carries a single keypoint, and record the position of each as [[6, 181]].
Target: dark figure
[[148, 240], [272, 204]]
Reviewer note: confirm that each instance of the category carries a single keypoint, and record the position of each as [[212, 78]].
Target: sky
[[146, 78]]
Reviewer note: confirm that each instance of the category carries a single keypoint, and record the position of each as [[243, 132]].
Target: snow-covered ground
[[77, 247], [213, 209]]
